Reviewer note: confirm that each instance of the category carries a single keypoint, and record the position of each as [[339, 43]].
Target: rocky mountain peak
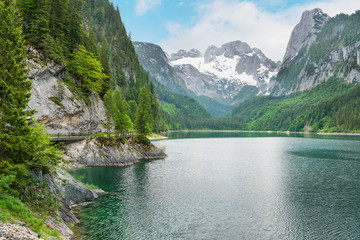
[[152, 48], [303, 34], [193, 53], [231, 49]]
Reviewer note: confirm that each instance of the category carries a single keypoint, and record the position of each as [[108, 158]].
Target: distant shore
[[281, 132]]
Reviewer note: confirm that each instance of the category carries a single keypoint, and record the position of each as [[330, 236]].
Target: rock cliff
[[304, 32], [61, 110], [319, 48], [68, 193], [95, 153]]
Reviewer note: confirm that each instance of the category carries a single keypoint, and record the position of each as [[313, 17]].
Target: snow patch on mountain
[[234, 62], [222, 68]]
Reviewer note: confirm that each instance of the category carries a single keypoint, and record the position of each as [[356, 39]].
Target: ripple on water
[[231, 188]]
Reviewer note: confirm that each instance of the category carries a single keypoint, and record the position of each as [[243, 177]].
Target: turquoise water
[[230, 188]]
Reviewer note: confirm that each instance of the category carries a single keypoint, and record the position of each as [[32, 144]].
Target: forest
[[332, 106]]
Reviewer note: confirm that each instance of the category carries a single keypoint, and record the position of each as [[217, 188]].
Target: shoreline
[[281, 132]]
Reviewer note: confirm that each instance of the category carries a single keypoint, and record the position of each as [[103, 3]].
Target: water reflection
[[232, 188]]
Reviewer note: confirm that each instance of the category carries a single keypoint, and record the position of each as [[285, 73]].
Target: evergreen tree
[[105, 62], [110, 109], [87, 70], [123, 121], [143, 113], [14, 87], [22, 147]]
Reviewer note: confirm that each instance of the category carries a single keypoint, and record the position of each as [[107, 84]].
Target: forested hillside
[[179, 111], [91, 40], [330, 107]]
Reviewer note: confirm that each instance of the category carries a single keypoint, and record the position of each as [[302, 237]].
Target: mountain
[[319, 48], [224, 70], [156, 62], [180, 109], [218, 79], [317, 87]]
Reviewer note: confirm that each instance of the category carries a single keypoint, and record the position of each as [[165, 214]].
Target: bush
[[141, 139]]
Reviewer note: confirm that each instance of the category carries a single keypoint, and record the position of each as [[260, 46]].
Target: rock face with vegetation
[[320, 47], [68, 192], [56, 102]]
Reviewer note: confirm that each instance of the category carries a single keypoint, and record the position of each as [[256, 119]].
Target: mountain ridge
[[215, 78]]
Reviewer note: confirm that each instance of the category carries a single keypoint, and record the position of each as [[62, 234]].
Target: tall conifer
[[143, 113], [15, 119]]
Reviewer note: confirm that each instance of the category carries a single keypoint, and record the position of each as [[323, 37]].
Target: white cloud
[[222, 21], [142, 6]]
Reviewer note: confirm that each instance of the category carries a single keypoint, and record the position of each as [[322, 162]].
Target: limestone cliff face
[[304, 32], [94, 153], [56, 106], [320, 47]]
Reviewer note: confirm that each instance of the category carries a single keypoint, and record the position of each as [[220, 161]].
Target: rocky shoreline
[[70, 193], [16, 232]]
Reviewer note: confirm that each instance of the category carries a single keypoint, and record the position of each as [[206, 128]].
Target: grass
[[155, 136], [57, 101], [12, 209]]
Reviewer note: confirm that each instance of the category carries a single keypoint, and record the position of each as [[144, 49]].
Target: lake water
[[239, 187]]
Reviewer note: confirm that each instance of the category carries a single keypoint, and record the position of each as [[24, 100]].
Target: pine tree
[[143, 113], [123, 121], [105, 62], [15, 119], [110, 109]]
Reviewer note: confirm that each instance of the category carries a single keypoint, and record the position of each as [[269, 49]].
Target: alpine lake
[[230, 186]]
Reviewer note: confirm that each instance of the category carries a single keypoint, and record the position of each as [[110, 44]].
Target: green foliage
[[45, 154], [246, 93], [86, 69], [122, 119], [143, 140], [110, 110], [12, 208], [120, 63], [15, 119], [313, 108], [57, 101], [24, 145], [143, 114], [180, 111], [117, 112]]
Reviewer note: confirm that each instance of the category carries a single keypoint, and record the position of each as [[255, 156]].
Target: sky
[[187, 24]]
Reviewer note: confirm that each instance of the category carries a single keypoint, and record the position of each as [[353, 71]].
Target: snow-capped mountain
[[228, 68], [218, 79]]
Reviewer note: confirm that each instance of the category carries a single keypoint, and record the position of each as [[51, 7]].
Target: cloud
[[142, 6], [335, 7], [222, 21]]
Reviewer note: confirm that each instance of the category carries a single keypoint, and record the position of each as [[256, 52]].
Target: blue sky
[[185, 24]]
